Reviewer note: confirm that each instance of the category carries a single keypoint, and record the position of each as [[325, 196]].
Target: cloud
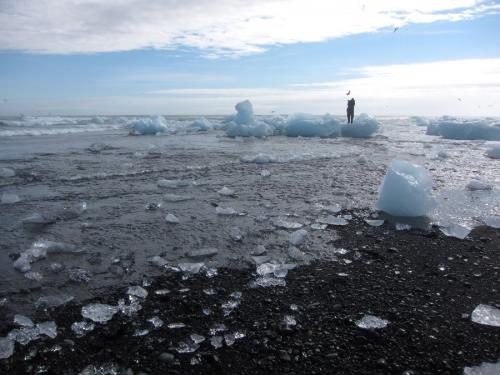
[[217, 28]]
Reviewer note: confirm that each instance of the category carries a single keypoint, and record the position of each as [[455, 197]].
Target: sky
[[200, 57]]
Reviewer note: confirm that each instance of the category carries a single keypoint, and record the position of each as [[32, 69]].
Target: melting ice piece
[[371, 322], [104, 369], [171, 219], [176, 325], [374, 223], [79, 275], [7, 172], [333, 208], [47, 302], [137, 291], [483, 369], [493, 150], [278, 270], [474, 185], [406, 190], [401, 226], [225, 191], [492, 221], [173, 184], [24, 335], [23, 321], [187, 347], [265, 173], [282, 223], [261, 259], [226, 211], [158, 261], [258, 159], [333, 220], [131, 308], [140, 332], [190, 267], [216, 328], [99, 312], [156, 321], [318, 226], [10, 198], [36, 222], [174, 198], [296, 254], [48, 328], [455, 230], [6, 347], [236, 234], [487, 315], [162, 292], [211, 272], [82, 328], [298, 237], [216, 341], [197, 339], [36, 276], [289, 321], [206, 252], [229, 306], [267, 282]]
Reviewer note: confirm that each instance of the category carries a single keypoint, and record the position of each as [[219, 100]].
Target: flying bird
[[348, 92], [396, 29], [459, 99]]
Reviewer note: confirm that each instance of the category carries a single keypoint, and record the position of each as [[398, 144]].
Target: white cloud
[[219, 28]]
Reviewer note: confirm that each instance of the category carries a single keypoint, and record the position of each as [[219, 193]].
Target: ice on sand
[[364, 126], [47, 302], [7, 172], [98, 312], [493, 150], [484, 368], [455, 230], [298, 237], [492, 221], [474, 185], [201, 124], [452, 128], [374, 223], [333, 220], [304, 125], [23, 321], [206, 252], [225, 191], [24, 335], [149, 126], [258, 159], [371, 322], [173, 184], [406, 190], [6, 347], [265, 173], [171, 219], [174, 198], [487, 315], [36, 222], [156, 322], [80, 329], [190, 267], [244, 123], [284, 224], [48, 328], [10, 198], [137, 291], [236, 234], [187, 347], [226, 211]]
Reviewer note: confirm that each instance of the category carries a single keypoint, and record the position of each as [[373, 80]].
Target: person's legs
[[348, 116], [352, 116]]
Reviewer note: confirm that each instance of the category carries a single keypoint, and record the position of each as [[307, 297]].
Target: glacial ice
[[226, 211], [374, 223], [156, 321], [174, 198], [23, 321], [492, 221], [364, 126], [420, 121], [303, 125], [108, 368], [47, 302], [24, 335], [227, 192], [48, 328], [171, 219], [453, 128], [258, 159], [200, 125], [187, 347], [432, 129], [244, 123], [216, 342], [98, 312], [36, 222], [80, 329], [484, 368], [149, 126], [298, 237], [455, 230], [265, 173], [7, 172], [493, 150], [371, 322], [486, 315], [406, 190], [190, 267], [132, 307], [173, 184], [205, 252], [137, 291], [10, 198], [6, 347], [474, 185], [285, 224]]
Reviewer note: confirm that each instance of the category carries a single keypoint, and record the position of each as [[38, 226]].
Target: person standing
[[350, 110]]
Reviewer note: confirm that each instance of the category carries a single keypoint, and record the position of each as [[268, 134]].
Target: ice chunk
[[363, 126], [36, 276], [24, 335], [158, 261], [468, 129], [296, 254], [6, 347], [225, 191], [492, 221], [304, 125], [257, 129], [80, 329], [190, 267], [402, 226], [216, 342], [174, 198], [420, 121], [140, 332], [371, 322], [171, 219], [284, 224], [149, 126], [278, 270], [137, 291], [406, 190], [265, 173], [197, 339], [7, 172], [47, 302], [201, 124], [484, 368], [374, 223], [131, 308], [298, 237], [98, 312], [36, 222], [226, 211], [79, 275], [10, 198], [267, 282], [318, 226], [52, 247], [332, 209], [487, 315], [289, 321], [176, 325], [104, 369], [236, 234], [187, 347], [98, 147], [258, 159], [174, 184], [23, 321], [455, 230], [474, 185], [48, 328], [333, 220], [493, 150], [432, 129], [206, 252]]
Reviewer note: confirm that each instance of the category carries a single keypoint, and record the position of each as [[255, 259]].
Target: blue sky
[[447, 65]]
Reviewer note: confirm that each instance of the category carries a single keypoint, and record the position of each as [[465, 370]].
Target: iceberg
[[303, 125], [364, 126], [493, 150], [451, 128], [432, 129], [420, 121], [244, 123], [406, 190], [149, 126], [200, 125]]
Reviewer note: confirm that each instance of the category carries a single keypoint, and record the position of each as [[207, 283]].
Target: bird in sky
[[459, 99], [396, 29], [348, 92]]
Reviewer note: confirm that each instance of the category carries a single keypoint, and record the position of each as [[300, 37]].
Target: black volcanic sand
[[397, 278]]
